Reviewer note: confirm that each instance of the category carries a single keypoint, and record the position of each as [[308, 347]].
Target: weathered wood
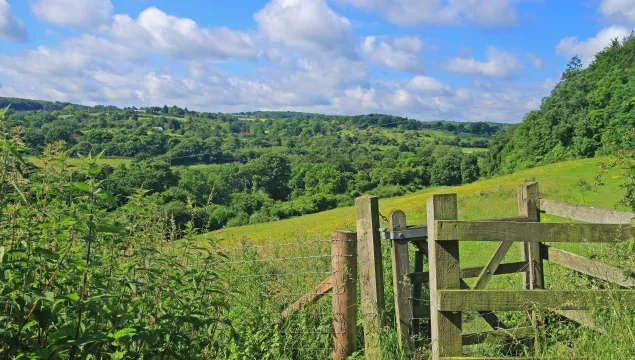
[[421, 245], [582, 317], [622, 277], [472, 272], [490, 269], [528, 197], [371, 273], [585, 213], [344, 302], [445, 273], [508, 300], [416, 295], [504, 335], [532, 232], [309, 298], [421, 312], [401, 282], [511, 218]]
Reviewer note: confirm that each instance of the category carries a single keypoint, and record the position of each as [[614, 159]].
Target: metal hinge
[[414, 233]]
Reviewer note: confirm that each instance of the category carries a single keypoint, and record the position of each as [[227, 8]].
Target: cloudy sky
[[476, 60]]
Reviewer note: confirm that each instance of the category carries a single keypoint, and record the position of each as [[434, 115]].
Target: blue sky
[[465, 60]]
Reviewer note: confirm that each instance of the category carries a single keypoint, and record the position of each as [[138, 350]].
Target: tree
[[165, 109], [469, 168], [446, 171], [270, 173]]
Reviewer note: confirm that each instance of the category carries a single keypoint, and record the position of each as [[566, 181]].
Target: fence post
[[530, 252], [344, 277], [528, 200], [401, 282], [445, 273], [371, 273]]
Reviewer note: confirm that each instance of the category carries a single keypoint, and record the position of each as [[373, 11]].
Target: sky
[[461, 60]]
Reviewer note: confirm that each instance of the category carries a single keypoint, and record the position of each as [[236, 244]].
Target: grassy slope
[[114, 162], [483, 199]]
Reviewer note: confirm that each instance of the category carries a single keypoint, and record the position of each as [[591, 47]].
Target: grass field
[[490, 198], [114, 162], [484, 199]]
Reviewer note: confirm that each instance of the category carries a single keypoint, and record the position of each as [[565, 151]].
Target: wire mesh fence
[[283, 295]]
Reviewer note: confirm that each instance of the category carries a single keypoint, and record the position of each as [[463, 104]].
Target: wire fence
[[284, 290]]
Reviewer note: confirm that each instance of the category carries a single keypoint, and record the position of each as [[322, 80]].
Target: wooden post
[[530, 251], [400, 279], [528, 200], [371, 273], [344, 277], [445, 274]]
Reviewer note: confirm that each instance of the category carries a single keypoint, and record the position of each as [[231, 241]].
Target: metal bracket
[[414, 233]]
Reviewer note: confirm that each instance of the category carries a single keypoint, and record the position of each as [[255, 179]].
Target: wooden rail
[[531, 232], [508, 300], [588, 214], [309, 298], [621, 277]]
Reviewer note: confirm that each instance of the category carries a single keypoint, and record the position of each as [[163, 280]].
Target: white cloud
[[619, 10], [535, 61], [83, 15], [427, 85], [499, 64], [402, 54], [586, 49], [175, 37], [442, 12], [306, 25], [11, 28]]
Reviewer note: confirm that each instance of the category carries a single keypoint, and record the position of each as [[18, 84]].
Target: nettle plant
[[81, 280]]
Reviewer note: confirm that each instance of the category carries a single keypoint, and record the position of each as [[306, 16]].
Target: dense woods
[[590, 112], [226, 170]]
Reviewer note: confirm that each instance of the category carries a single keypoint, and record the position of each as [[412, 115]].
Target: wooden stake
[[445, 273], [370, 273], [400, 279], [344, 278]]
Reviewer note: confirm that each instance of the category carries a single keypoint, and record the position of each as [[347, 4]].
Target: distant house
[[158, 128]]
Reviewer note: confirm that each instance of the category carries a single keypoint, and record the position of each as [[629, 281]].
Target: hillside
[[220, 170], [492, 198], [589, 113]]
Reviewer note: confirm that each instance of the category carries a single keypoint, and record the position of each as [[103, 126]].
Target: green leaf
[[81, 187], [110, 229], [185, 288], [29, 325], [123, 333]]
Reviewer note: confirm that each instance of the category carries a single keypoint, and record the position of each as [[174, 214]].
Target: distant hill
[[587, 114]]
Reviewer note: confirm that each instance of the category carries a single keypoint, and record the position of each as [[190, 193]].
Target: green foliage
[[77, 281], [190, 161], [469, 168], [586, 115], [447, 171]]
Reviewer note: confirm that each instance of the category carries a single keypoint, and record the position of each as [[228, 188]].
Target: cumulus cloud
[[619, 10], [11, 28], [427, 85], [402, 54], [306, 25], [442, 12], [499, 64], [157, 32], [586, 49], [93, 15]]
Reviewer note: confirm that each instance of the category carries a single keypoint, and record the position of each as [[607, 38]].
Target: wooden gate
[[436, 319]]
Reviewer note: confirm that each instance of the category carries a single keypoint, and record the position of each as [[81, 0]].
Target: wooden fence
[[450, 296], [342, 284]]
